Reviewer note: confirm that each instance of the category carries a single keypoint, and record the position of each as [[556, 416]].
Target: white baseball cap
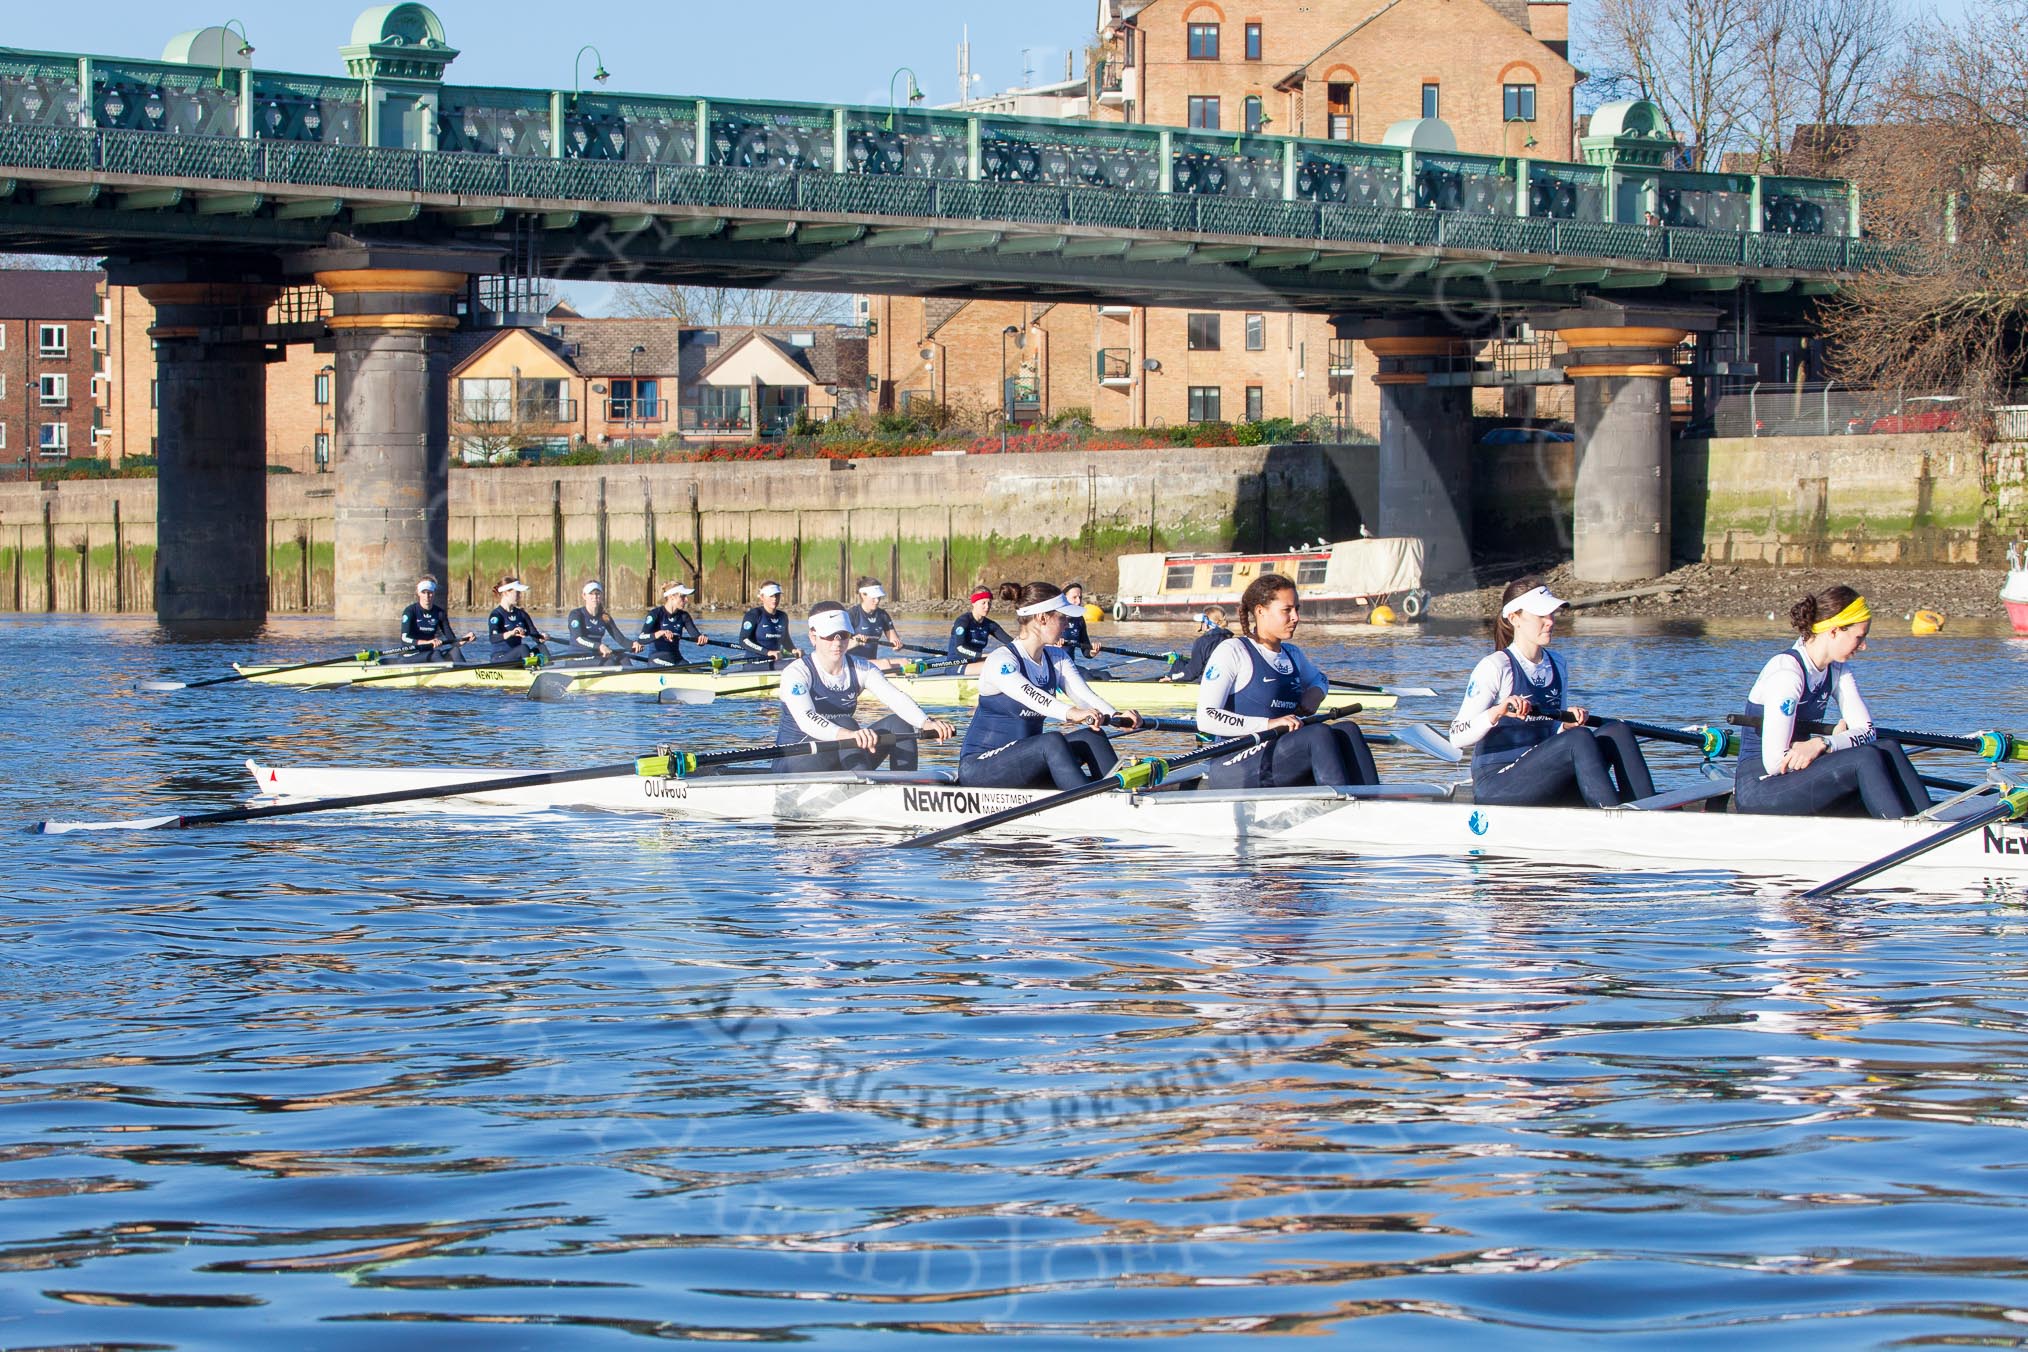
[[678, 589], [592, 587], [771, 589], [1536, 601], [874, 590], [513, 584], [1058, 604], [826, 623], [425, 585]]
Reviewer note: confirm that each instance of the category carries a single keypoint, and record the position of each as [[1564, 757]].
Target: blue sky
[[816, 50]]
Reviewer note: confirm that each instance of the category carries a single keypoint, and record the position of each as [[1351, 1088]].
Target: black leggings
[[1065, 760], [1576, 765], [1324, 753], [1875, 776], [899, 755]]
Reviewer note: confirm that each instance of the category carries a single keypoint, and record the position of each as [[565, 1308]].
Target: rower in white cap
[[591, 626], [509, 627], [670, 623], [426, 626], [820, 699], [764, 631], [872, 626]]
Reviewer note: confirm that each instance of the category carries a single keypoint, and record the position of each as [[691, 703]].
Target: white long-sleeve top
[[1001, 674], [1781, 686], [1230, 668], [1491, 684], [800, 677]]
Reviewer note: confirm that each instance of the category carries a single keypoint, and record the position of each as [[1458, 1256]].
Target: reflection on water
[[521, 1079]]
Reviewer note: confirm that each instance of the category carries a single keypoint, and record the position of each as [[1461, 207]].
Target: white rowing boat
[[1389, 820]]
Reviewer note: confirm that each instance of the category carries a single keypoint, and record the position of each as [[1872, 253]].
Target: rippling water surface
[[570, 1079]]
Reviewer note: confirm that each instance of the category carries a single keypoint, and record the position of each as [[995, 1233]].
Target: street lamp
[[576, 68], [633, 396], [245, 48], [915, 94], [1006, 391]]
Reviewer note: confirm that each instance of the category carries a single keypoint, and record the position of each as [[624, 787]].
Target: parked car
[[1925, 413], [1522, 436]]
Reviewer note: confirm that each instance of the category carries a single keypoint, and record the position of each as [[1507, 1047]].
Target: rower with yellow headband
[[1782, 773]]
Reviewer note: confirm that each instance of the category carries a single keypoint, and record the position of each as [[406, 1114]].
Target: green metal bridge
[[211, 159]]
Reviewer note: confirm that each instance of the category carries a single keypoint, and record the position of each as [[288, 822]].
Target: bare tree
[[1694, 59], [1944, 175], [30, 262], [733, 307], [1816, 67]]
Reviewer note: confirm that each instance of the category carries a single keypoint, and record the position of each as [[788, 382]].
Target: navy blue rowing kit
[[1538, 761], [589, 631], [678, 622], [1076, 638], [505, 618], [762, 633], [1875, 777], [971, 638], [874, 627], [420, 624], [1246, 687]]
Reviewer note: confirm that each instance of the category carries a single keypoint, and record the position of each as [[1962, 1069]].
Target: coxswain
[[513, 633], [1786, 769], [872, 626], [1258, 680], [1212, 621], [669, 624], [592, 626], [426, 626], [1529, 746], [1076, 636], [820, 700], [764, 631], [973, 633], [1023, 684]]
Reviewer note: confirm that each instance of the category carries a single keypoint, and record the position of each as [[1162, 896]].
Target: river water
[[573, 1080]]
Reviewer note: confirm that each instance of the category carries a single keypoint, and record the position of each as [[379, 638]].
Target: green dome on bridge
[[398, 42]]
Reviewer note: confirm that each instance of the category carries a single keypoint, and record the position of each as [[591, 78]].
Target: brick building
[[52, 345], [1496, 71]]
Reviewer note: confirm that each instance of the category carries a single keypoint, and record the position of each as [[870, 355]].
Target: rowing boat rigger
[[1387, 820]]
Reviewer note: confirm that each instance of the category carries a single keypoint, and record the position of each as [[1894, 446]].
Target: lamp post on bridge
[[915, 94], [600, 75], [246, 47]]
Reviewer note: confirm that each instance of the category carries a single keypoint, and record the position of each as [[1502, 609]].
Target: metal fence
[[1833, 410]]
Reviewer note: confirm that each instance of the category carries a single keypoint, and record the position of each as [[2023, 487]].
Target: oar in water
[[663, 763], [2012, 805], [676, 694], [1988, 746], [364, 655], [1140, 775]]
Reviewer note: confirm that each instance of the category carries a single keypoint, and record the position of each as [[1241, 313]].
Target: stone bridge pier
[[1425, 440]]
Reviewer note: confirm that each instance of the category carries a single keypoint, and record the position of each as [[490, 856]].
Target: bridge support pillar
[[1621, 508], [390, 332], [1425, 449], [211, 444]]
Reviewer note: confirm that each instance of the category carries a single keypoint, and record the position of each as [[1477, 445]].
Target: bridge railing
[[297, 164]]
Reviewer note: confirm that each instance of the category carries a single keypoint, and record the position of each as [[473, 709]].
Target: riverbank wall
[[929, 527]]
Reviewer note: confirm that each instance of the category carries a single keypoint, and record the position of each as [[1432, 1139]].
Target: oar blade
[[675, 694], [165, 685], [551, 687], [1429, 741], [55, 828]]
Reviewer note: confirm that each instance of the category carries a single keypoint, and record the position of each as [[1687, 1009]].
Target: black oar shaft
[[363, 655], [2010, 806]]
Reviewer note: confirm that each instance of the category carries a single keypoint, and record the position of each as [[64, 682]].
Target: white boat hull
[[1344, 821]]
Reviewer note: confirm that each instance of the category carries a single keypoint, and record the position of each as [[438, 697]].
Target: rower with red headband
[[973, 633], [1783, 768]]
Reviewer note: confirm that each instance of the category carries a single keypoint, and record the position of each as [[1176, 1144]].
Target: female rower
[[513, 633], [764, 631], [1512, 720], [1259, 680], [820, 700], [669, 624], [426, 626], [1206, 643], [872, 626], [591, 626], [1786, 768], [1022, 684], [1076, 637], [973, 633]]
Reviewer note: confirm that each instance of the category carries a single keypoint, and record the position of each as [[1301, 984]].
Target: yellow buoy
[[1093, 613], [1382, 614], [1926, 622]]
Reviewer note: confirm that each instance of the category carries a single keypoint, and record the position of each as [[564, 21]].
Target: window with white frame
[[55, 340], [486, 400], [55, 390], [3, 385], [3, 337], [55, 439], [3, 436]]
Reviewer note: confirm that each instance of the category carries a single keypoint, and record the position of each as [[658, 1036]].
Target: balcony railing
[[714, 420], [530, 412], [636, 411], [1115, 366]]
